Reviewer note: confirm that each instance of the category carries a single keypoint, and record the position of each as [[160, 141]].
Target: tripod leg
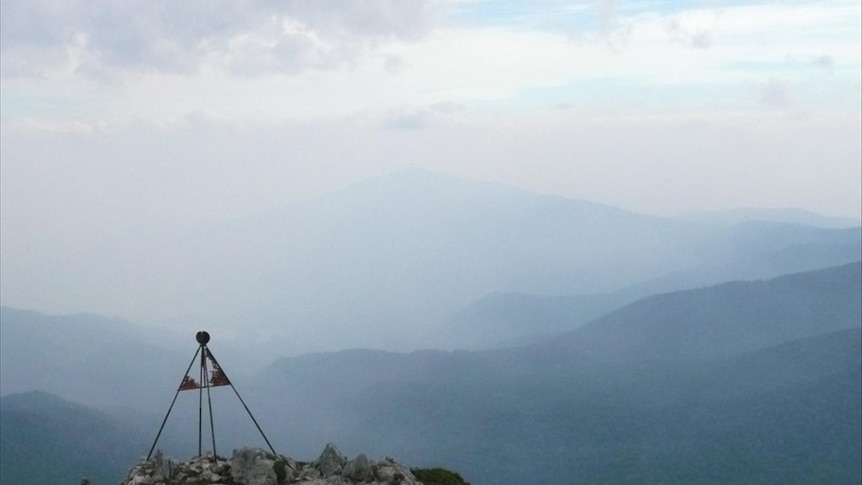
[[162, 427], [201, 399], [228, 382], [210, 404], [253, 420]]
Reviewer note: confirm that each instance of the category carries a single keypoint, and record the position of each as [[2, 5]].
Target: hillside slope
[[724, 320], [45, 440], [507, 319], [739, 383], [379, 264]]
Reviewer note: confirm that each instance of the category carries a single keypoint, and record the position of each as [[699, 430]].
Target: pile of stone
[[254, 466]]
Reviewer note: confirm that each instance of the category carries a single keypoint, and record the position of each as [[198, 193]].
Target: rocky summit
[[254, 466]]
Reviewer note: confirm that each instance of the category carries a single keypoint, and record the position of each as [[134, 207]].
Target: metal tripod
[[206, 380]]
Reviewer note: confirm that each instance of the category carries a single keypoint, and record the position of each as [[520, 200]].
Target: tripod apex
[[202, 337], [206, 380]]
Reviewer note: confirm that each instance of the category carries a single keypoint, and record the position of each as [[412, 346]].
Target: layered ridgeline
[[742, 382], [384, 262], [93, 360], [787, 216], [506, 319], [45, 440], [748, 382]]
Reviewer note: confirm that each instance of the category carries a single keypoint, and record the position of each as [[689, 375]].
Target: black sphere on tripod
[[202, 337]]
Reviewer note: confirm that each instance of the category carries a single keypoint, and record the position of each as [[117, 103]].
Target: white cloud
[[297, 60], [117, 114], [351, 72], [824, 63], [177, 36], [775, 93], [414, 118]]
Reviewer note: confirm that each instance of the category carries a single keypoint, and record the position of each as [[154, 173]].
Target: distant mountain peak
[[783, 215], [426, 181]]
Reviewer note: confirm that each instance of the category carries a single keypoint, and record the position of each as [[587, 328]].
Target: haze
[[546, 242], [147, 151]]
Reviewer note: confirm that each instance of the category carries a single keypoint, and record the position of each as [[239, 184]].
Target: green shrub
[[279, 467], [438, 476]]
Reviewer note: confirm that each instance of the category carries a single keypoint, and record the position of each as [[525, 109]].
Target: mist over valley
[[663, 373], [386, 262], [447, 242]]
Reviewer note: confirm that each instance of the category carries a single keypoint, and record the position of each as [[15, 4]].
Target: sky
[[117, 115], [115, 111]]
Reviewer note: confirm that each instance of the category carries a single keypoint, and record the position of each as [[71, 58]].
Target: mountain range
[[750, 381], [744, 382], [786, 215], [505, 319], [513, 337], [46, 440], [385, 262]]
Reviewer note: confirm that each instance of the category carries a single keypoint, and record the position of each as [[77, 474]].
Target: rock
[[253, 466], [331, 461], [358, 469], [391, 472], [285, 469], [164, 463], [220, 467], [145, 473], [211, 477]]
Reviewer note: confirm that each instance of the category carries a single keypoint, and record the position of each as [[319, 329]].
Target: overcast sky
[[121, 111]]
